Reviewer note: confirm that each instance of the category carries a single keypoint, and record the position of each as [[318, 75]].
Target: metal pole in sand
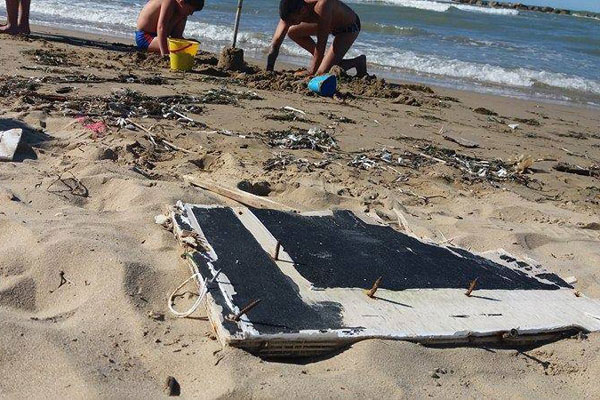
[[238, 14]]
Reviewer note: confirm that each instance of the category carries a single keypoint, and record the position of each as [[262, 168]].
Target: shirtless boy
[[160, 19], [301, 19]]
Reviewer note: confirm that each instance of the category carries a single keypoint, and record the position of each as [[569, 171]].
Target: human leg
[[23, 19], [301, 34], [12, 13], [335, 55]]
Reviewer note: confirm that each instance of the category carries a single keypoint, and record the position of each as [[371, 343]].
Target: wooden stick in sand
[[245, 198], [238, 14]]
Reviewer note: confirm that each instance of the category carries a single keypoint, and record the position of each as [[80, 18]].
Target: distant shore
[[525, 7]]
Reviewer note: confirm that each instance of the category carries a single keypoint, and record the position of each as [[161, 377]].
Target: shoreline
[[486, 90], [525, 7]]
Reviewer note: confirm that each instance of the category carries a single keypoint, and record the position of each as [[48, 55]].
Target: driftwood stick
[[245, 198]]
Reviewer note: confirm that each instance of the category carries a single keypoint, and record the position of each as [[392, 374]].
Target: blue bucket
[[325, 85]]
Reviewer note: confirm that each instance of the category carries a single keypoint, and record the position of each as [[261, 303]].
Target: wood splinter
[[471, 287], [371, 292], [244, 310]]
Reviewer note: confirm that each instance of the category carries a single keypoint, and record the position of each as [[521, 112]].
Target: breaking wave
[[518, 77], [441, 7]]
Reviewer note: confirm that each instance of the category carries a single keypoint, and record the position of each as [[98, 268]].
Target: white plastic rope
[[203, 290]]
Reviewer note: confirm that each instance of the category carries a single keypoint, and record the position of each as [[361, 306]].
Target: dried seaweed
[[314, 139], [18, 86], [53, 57]]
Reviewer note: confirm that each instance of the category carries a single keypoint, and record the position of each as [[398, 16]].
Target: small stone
[[434, 375], [172, 387]]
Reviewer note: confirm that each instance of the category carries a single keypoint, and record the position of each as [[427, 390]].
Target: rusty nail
[[471, 287], [371, 292], [245, 309]]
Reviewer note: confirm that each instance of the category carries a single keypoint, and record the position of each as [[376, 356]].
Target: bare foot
[[9, 29], [361, 65], [24, 29]]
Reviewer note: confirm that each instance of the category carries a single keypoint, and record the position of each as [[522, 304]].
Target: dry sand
[[92, 336]]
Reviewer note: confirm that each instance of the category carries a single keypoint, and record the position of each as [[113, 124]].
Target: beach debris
[[70, 184], [241, 197], [52, 57], [314, 139], [593, 170], [460, 141], [146, 80], [164, 221], [513, 126], [280, 161], [64, 89], [9, 142], [172, 387], [127, 103], [523, 164], [471, 287], [341, 119], [286, 115], [571, 280], [292, 109], [361, 161], [18, 86], [528, 121], [236, 317], [485, 111], [63, 281], [371, 292], [407, 100], [475, 169], [143, 172], [98, 128]]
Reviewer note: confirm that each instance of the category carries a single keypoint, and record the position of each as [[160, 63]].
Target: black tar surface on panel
[[254, 275], [343, 251]]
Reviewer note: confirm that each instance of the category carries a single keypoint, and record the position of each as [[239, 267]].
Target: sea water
[[503, 51]]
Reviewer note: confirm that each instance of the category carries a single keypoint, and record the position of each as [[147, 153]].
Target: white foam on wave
[[441, 7], [518, 77]]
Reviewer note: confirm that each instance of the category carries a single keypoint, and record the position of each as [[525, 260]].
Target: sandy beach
[[85, 273]]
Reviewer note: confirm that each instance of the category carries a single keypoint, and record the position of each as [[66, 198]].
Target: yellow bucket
[[182, 53]]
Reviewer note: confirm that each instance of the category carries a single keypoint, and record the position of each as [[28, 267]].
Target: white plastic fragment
[[161, 219], [9, 141], [513, 126]]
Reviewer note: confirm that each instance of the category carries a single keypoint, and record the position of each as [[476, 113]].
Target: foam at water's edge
[[520, 77], [440, 7]]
